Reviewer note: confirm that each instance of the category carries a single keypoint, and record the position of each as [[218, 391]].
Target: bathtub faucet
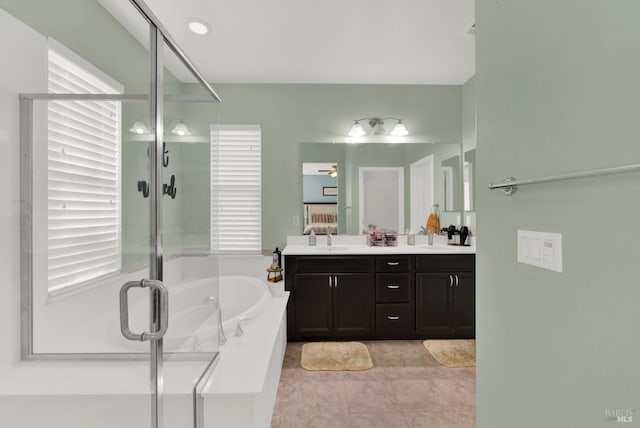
[[222, 339]]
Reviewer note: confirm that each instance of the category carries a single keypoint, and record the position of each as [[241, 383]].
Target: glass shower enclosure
[[115, 269]]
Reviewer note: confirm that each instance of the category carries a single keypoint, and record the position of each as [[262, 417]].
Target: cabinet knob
[[393, 263], [393, 287], [392, 317]]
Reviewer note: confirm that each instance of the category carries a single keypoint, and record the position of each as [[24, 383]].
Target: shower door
[[106, 195]]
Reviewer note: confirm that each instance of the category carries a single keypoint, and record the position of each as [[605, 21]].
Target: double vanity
[[353, 291]]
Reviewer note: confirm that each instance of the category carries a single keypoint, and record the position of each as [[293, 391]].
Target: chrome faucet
[[211, 300], [328, 237]]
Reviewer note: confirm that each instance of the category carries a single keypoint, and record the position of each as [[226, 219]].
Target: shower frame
[[158, 38]]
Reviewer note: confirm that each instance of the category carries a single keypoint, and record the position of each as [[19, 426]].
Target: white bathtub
[[193, 319]]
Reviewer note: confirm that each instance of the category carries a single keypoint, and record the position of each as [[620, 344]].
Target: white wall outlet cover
[[541, 249]]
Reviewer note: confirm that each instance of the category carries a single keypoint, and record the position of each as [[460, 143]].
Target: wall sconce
[[377, 127], [139, 128], [180, 129]]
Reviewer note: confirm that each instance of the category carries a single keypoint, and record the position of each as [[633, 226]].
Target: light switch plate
[[541, 249]]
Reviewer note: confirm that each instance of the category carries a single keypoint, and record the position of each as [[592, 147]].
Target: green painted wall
[[557, 91], [295, 114], [289, 115]]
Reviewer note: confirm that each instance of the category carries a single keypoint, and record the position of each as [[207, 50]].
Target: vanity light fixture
[[180, 129], [377, 127], [139, 128]]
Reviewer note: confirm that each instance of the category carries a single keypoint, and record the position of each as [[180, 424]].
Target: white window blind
[[83, 174], [236, 217]]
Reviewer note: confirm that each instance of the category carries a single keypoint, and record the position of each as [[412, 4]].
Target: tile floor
[[406, 388]]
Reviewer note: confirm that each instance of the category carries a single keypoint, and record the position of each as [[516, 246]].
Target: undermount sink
[[331, 248]]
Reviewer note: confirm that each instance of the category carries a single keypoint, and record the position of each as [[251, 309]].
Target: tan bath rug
[[335, 356], [453, 353]]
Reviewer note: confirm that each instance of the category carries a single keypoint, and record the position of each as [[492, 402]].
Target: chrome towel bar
[[510, 184]]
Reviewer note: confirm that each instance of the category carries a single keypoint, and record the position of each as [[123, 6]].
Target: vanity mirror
[[469, 174], [389, 185], [320, 197]]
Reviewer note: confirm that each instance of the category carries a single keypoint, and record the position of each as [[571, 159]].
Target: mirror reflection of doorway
[[422, 192], [381, 197], [320, 197]]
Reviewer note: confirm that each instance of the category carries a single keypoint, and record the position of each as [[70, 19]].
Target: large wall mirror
[[391, 186]]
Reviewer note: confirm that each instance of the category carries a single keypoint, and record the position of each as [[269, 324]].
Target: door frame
[[416, 217]]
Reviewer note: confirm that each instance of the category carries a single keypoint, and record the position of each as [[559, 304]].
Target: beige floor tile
[[370, 396], [311, 420], [378, 420], [313, 396], [405, 378], [401, 360]]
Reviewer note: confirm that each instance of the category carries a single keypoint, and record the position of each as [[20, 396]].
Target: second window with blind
[[236, 213]]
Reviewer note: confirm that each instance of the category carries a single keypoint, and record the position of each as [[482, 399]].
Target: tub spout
[[222, 339], [239, 330]]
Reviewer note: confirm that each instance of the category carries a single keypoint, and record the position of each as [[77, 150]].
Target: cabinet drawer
[[333, 264], [392, 287], [393, 263], [445, 262], [394, 318]]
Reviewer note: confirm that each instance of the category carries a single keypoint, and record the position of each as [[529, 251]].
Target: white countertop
[[356, 245]]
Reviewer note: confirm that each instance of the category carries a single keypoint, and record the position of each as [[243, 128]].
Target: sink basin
[[331, 248]]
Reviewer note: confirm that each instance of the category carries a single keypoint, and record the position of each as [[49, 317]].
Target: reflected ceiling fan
[[333, 171]]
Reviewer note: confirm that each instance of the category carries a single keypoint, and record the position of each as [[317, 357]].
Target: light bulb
[[399, 130], [356, 130], [139, 128]]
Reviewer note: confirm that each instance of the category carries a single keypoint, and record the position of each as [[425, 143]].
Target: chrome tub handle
[[160, 306]]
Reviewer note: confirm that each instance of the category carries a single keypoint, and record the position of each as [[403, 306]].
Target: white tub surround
[[240, 392]]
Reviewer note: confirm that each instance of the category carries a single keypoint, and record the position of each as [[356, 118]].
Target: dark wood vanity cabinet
[[445, 296], [380, 297], [394, 297], [330, 297]]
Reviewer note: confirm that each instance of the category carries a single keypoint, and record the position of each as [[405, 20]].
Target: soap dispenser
[[312, 238]]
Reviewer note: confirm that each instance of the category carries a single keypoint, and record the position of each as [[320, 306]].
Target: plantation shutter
[[236, 215], [83, 175]]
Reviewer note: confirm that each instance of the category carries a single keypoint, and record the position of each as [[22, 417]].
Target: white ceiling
[[329, 41]]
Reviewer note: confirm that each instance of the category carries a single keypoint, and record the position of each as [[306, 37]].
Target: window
[[236, 189], [84, 145]]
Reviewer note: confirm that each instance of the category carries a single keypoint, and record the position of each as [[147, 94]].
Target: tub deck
[[81, 393]]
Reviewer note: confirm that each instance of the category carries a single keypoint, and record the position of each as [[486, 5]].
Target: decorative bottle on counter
[[277, 259], [312, 238]]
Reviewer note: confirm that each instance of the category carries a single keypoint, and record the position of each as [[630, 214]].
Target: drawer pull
[[393, 318], [393, 287], [393, 263]]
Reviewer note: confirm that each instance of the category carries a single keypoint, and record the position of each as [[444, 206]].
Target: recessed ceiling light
[[198, 27]]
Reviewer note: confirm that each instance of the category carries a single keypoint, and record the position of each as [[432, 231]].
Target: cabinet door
[[433, 304], [312, 305], [464, 305], [353, 304]]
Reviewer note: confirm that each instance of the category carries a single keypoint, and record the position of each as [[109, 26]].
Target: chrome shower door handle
[[160, 307]]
